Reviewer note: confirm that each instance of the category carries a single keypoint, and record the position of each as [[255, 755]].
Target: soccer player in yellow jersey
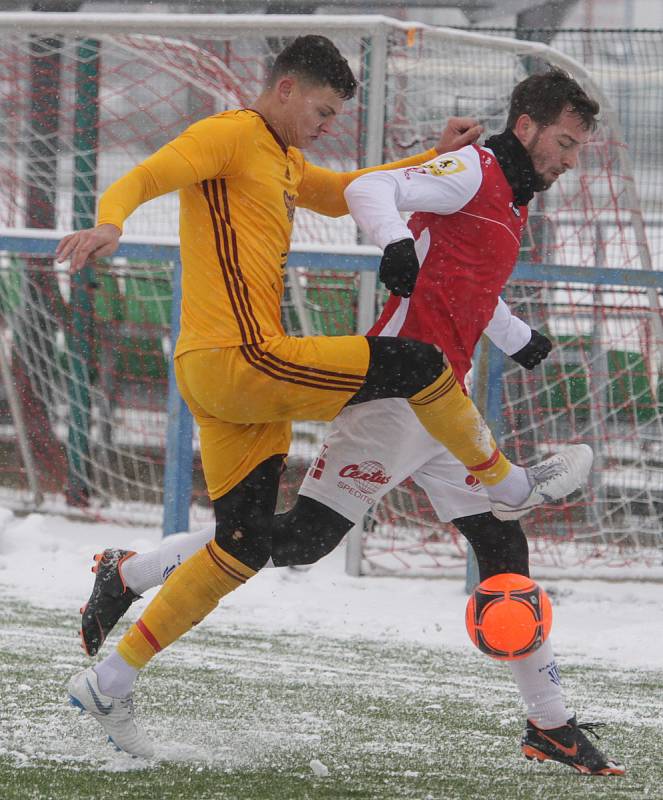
[[241, 175]]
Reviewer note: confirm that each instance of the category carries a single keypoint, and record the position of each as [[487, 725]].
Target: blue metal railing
[[179, 452]]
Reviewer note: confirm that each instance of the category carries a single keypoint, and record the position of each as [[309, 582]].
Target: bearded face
[[554, 148]]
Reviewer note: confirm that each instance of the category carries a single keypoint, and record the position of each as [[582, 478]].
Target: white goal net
[[85, 97]]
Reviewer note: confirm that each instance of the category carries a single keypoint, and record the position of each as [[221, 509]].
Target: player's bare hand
[[83, 246], [459, 132]]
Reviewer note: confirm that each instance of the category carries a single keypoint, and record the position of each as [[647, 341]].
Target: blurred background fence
[[84, 414]]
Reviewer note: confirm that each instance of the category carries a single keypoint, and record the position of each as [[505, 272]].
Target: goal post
[[146, 77]]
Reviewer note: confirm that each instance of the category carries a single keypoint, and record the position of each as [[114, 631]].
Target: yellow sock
[[187, 597], [451, 417]]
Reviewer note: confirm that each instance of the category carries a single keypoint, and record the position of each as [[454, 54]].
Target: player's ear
[[284, 88], [524, 128]]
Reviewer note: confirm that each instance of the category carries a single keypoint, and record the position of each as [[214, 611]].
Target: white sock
[[513, 489], [116, 677], [145, 570], [142, 571], [540, 687], [176, 548]]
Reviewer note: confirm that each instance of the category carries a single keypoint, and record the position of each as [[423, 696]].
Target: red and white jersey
[[467, 235]]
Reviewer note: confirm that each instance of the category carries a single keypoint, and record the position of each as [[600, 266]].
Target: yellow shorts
[[244, 398]]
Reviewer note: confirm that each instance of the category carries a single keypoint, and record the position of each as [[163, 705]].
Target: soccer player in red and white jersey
[[446, 269]]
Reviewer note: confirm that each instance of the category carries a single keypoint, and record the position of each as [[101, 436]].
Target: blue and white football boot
[[114, 714]]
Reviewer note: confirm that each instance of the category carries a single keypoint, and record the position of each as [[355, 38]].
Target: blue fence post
[[471, 564], [494, 415], [179, 445], [492, 412]]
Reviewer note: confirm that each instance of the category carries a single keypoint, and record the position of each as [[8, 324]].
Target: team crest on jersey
[[445, 165], [289, 200]]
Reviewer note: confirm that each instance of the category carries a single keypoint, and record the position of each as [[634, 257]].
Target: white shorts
[[372, 447]]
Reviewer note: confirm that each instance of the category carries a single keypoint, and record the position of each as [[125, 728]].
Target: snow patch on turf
[[46, 560]]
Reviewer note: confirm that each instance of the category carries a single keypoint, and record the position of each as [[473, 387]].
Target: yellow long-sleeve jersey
[[239, 186]]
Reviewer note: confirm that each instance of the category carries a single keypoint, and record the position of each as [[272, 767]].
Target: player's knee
[[249, 542], [399, 368], [499, 546], [306, 533], [245, 515]]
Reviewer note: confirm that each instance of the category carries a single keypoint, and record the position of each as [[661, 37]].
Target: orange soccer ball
[[508, 616]]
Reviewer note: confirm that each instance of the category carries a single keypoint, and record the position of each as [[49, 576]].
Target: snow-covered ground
[[45, 561]]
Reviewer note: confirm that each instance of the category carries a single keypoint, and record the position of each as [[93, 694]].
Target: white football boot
[[552, 479], [114, 714]]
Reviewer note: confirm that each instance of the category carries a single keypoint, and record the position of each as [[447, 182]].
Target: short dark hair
[[546, 95], [315, 59]]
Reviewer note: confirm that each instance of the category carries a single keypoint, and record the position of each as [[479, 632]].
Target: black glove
[[399, 267], [534, 351]]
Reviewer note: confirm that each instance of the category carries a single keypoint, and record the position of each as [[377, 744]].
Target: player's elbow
[[330, 205], [339, 210]]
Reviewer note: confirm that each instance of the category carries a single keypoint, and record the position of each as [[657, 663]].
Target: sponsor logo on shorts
[[367, 476], [472, 483], [318, 466], [354, 492]]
